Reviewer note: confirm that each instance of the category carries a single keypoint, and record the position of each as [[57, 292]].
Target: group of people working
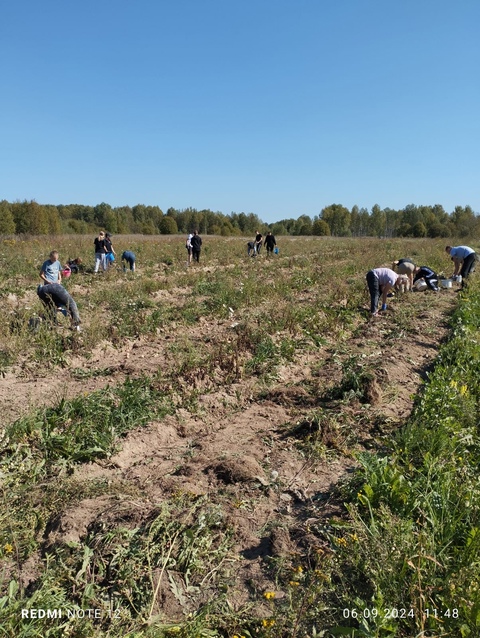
[[254, 247], [382, 282], [55, 297], [105, 253]]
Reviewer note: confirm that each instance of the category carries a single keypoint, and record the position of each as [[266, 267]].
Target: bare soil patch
[[239, 443]]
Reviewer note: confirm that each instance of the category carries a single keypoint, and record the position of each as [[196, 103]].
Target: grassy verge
[[408, 563]]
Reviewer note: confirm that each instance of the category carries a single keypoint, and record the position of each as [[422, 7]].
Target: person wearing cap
[[100, 252], [109, 250], [51, 270], [464, 259], [380, 282], [54, 297]]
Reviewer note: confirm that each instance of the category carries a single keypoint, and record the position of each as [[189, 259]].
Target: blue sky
[[273, 107]]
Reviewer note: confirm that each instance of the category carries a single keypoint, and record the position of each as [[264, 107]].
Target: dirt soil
[[240, 444]]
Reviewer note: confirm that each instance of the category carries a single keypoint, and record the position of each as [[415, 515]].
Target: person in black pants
[[54, 297], [270, 243], [196, 243], [430, 276], [258, 242]]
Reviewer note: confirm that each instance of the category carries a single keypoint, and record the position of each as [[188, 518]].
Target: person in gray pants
[[54, 297]]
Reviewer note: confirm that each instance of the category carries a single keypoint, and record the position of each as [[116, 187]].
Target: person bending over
[[380, 282], [128, 258], [405, 267], [430, 276], [54, 297], [464, 259]]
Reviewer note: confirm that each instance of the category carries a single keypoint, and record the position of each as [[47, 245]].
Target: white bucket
[[420, 285], [446, 283]]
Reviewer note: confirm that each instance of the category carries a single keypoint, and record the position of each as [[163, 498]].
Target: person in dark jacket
[[54, 297], [270, 243], [429, 275], [109, 250], [196, 243], [258, 242], [100, 252]]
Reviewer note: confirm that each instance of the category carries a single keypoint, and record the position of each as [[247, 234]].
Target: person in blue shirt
[[129, 258], [51, 271], [464, 259]]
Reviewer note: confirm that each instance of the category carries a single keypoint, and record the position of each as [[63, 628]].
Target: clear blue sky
[[273, 107]]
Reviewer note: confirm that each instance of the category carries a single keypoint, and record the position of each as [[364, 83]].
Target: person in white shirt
[[380, 282]]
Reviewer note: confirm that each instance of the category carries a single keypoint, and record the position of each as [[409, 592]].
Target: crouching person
[[54, 297], [382, 281], [430, 277]]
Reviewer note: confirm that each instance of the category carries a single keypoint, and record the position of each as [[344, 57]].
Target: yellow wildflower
[[299, 569], [268, 622], [453, 383], [341, 541], [463, 390], [294, 583], [269, 594], [354, 538], [8, 548]]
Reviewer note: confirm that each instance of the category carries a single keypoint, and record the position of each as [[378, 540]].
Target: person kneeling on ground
[[380, 282], [54, 297], [429, 275], [128, 258]]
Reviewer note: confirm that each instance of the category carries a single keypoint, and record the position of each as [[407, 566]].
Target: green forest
[[30, 217]]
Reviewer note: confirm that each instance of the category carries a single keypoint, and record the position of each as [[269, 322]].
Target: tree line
[[30, 217]]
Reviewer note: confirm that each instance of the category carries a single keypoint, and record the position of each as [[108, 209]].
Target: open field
[[203, 459]]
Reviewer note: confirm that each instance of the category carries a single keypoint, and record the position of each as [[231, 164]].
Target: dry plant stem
[[165, 563]]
